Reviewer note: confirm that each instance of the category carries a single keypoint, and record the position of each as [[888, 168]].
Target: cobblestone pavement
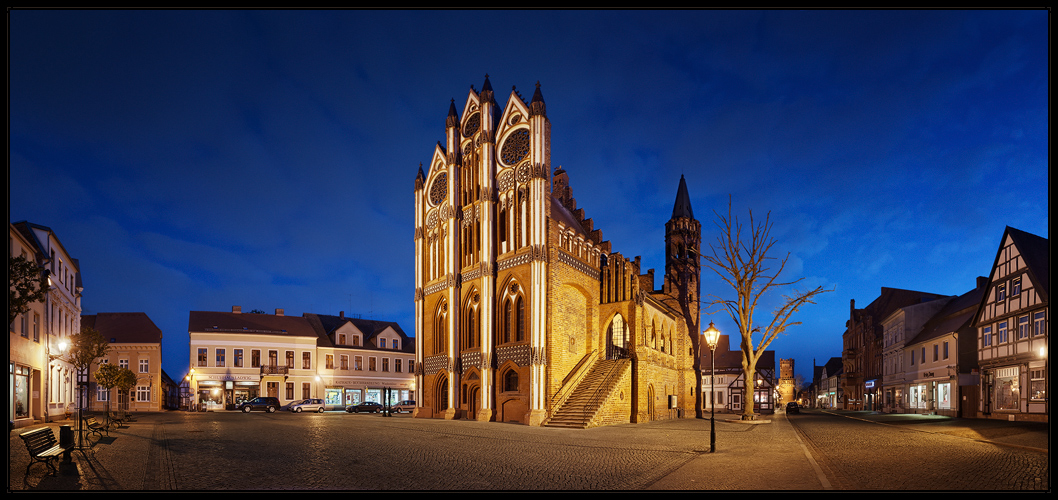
[[867, 451], [339, 451]]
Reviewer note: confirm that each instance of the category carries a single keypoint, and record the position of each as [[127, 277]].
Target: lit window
[[143, 393]]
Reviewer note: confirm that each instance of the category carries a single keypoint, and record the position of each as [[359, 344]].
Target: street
[[339, 451], [916, 454]]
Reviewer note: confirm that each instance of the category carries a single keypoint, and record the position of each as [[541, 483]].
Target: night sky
[[196, 160]]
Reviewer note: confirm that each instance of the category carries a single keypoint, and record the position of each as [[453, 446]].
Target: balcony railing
[[273, 370]]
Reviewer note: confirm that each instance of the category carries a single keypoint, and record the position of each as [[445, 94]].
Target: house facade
[[727, 385], [829, 384], [237, 356], [1012, 330], [863, 346], [362, 360], [519, 302], [942, 376], [898, 328], [136, 344], [42, 386]]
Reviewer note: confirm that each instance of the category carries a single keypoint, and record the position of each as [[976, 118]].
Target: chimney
[[982, 282], [236, 309], [279, 312], [341, 314]]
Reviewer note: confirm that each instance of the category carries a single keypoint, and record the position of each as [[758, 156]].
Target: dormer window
[[382, 343], [341, 339], [356, 340]]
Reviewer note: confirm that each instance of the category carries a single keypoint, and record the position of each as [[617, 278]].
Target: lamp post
[[711, 336]]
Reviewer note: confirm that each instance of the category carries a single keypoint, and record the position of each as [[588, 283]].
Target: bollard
[[66, 441]]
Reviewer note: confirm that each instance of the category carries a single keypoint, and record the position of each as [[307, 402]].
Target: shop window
[[1006, 390], [1038, 384]]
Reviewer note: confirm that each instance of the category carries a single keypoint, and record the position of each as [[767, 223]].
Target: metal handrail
[[593, 402], [573, 379]]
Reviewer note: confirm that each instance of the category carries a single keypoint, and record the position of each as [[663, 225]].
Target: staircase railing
[[570, 383], [594, 400]]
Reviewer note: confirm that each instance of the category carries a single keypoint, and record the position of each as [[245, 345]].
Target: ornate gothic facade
[[523, 313]]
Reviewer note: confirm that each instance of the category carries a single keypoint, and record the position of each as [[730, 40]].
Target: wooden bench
[[92, 426], [42, 447]]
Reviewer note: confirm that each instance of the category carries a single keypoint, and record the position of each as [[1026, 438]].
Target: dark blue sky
[[195, 160]]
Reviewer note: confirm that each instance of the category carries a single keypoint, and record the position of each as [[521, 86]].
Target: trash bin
[[66, 441]]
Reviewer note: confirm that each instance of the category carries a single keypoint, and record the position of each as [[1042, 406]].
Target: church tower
[[683, 241]]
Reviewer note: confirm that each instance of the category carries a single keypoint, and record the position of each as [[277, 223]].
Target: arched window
[[617, 339], [520, 306], [513, 316], [506, 321], [441, 329], [510, 381], [469, 337]]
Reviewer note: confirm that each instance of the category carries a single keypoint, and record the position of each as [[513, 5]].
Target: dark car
[[365, 407], [271, 405], [792, 407]]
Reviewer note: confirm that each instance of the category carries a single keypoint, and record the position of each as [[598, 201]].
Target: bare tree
[[743, 265]]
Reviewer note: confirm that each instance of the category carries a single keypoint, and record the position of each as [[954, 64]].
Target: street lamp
[[712, 335]]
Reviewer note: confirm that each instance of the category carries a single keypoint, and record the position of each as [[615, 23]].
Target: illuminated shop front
[[348, 391], [220, 392]]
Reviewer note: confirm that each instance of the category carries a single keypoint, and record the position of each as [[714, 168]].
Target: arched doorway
[[617, 339], [441, 397]]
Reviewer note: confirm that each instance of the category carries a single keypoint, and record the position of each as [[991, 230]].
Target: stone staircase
[[584, 403]]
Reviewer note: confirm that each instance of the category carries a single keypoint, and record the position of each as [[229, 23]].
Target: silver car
[[315, 405]]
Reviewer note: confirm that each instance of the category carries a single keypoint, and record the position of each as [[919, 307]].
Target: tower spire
[[682, 208]]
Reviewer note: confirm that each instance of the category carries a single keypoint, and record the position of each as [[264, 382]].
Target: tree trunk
[[749, 368]]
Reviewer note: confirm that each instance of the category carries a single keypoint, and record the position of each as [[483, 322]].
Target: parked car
[[261, 403], [315, 405], [792, 407], [404, 406], [365, 407]]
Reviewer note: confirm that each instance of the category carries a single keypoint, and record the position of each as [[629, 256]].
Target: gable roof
[[1037, 252], [727, 358], [888, 301], [250, 323], [324, 325], [955, 317], [124, 328]]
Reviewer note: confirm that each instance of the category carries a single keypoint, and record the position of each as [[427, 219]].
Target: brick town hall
[[522, 312]]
